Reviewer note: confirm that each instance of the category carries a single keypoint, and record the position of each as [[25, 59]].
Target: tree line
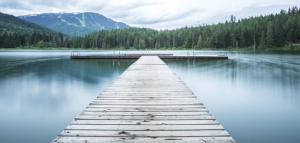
[[269, 31], [35, 39]]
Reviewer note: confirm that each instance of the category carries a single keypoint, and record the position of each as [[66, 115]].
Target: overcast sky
[[157, 14]]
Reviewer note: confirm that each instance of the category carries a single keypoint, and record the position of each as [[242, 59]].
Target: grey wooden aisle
[[148, 103]]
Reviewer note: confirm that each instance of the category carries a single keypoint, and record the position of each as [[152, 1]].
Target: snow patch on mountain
[[32, 15], [95, 21], [69, 22], [82, 21], [75, 13], [117, 26]]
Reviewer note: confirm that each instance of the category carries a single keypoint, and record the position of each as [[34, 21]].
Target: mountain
[[12, 24], [80, 23]]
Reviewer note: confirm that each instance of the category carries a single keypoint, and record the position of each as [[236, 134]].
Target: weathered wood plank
[[143, 99], [147, 104], [144, 139], [148, 54], [141, 113], [144, 106], [149, 95], [96, 117], [145, 127], [145, 122], [92, 133], [105, 109], [139, 97], [156, 102], [146, 93], [103, 97]]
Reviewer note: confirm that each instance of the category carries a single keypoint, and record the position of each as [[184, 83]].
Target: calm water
[[255, 95]]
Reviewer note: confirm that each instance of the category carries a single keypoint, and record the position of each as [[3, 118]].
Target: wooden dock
[[162, 56], [148, 103], [148, 54]]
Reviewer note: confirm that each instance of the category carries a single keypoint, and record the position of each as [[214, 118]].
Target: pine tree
[[232, 21], [207, 43], [1, 41], [200, 43], [188, 41], [136, 43], [269, 37], [262, 43]]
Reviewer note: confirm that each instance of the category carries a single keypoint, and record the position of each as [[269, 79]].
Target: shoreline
[[161, 49]]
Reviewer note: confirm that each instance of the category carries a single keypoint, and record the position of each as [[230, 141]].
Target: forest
[[12, 24], [269, 31]]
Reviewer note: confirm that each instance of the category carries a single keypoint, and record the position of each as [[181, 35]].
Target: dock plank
[[147, 103], [144, 122], [95, 133], [145, 139], [144, 127], [200, 109]]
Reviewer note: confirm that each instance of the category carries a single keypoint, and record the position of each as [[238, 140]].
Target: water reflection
[[40, 95], [255, 95]]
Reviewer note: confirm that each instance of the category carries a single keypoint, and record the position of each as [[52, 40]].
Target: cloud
[[160, 17], [253, 10], [13, 5], [158, 14], [261, 9]]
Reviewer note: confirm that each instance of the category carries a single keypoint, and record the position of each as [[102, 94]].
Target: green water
[[255, 95]]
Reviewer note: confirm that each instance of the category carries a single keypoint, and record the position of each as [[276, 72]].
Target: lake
[[255, 95]]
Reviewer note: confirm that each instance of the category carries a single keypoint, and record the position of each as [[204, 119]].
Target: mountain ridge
[[77, 23], [12, 24]]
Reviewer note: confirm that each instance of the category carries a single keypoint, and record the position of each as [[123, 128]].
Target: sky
[[156, 14]]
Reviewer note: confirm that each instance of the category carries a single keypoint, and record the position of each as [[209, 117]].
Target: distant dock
[[160, 55], [148, 103]]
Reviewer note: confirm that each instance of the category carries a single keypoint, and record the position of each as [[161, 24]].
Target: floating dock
[[148, 103], [148, 54], [161, 56]]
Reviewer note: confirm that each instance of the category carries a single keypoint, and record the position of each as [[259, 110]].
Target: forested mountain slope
[[15, 32], [75, 23], [11, 24]]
